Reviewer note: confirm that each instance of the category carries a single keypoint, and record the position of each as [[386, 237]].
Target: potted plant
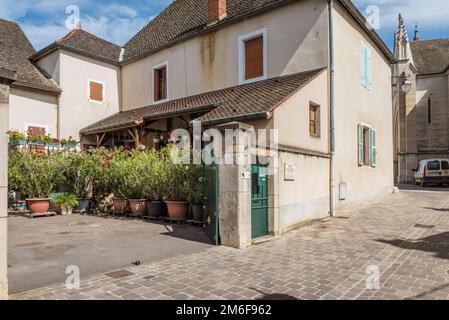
[[115, 163], [35, 140], [16, 138], [69, 143], [65, 202], [37, 176], [179, 185], [197, 194], [133, 171], [83, 168], [155, 183], [53, 142]]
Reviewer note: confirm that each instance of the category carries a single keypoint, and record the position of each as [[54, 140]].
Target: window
[[160, 83], [445, 165], [36, 131], [253, 57], [367, 146], [96, 91], [366, 70], [433, 165], [314, 119]]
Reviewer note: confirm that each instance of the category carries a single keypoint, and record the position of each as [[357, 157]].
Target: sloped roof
[[84, 43], [186, 18], [15, 49], [431, 56], [253, 100]]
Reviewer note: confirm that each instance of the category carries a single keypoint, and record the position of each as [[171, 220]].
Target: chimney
[[216, 11]]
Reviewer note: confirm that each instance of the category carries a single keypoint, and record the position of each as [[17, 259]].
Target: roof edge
[[59, 46], [36, 87]]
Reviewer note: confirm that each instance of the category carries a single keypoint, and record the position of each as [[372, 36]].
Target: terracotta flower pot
[[177, 209], [120, 206], [138, 207], [38, 205]]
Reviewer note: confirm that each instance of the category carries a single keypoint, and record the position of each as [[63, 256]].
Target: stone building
[[420, 101]]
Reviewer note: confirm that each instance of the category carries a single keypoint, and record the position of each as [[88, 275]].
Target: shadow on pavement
[[437, 244]]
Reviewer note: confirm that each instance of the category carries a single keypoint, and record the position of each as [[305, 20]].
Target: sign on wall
[[289, 172]]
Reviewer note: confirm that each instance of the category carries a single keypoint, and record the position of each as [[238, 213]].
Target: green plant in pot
[[134, 181], [65, 203], [16, 137], [155, 182], [179, 185], [82, 170], [114, 178], [197, 193], [36, 175]]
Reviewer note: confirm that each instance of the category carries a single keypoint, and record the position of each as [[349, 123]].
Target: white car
[[434, 171]]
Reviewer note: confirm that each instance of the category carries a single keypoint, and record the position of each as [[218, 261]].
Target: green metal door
[[211, 203], [259, 201]]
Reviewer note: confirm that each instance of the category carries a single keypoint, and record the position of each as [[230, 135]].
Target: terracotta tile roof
[[186, 18], [254, 100], [15, 49], [431, 56], [84, 43]]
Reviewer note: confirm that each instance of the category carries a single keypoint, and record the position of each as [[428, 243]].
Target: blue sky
[[117, 21]]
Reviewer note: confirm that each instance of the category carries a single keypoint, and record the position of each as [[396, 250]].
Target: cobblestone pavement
[[404, 236]]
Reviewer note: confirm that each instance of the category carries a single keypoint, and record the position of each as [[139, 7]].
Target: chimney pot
[[217, 11]]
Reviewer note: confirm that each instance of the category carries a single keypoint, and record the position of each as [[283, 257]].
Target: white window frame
[[241, 45], [47, 130], [370, 162], [156, 67], [103, 91]]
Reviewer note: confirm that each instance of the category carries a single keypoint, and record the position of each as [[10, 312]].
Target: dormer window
[[160, 83], [96, 91], [253, 56]]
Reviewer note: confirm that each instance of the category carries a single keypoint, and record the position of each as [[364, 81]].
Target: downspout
[[331, 107], [58, 117]]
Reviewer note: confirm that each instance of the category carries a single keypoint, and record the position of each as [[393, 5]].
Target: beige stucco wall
[[30, 107], [210, 62], [76, 111], [355, 104], [292, 117], [51, 64]]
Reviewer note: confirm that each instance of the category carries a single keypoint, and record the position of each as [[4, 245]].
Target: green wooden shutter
[[363, 64], [373, 148], [360, 145], [369, 78]]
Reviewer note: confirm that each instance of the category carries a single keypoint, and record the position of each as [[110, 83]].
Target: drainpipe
[[331, 107], [58, 117]]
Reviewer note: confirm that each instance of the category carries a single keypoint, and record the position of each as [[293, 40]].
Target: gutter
[[332, 108]]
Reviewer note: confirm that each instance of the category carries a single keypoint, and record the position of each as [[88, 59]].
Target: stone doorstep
[[262, 240]]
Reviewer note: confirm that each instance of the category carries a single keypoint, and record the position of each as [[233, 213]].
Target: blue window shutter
[[373, 148], [369, 78], [363, 64], [360, 145]]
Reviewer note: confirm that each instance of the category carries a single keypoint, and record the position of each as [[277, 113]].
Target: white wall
[[355, 104], [77, 111], [28, 107]]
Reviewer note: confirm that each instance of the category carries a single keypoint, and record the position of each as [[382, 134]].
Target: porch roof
[[248, 101]]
